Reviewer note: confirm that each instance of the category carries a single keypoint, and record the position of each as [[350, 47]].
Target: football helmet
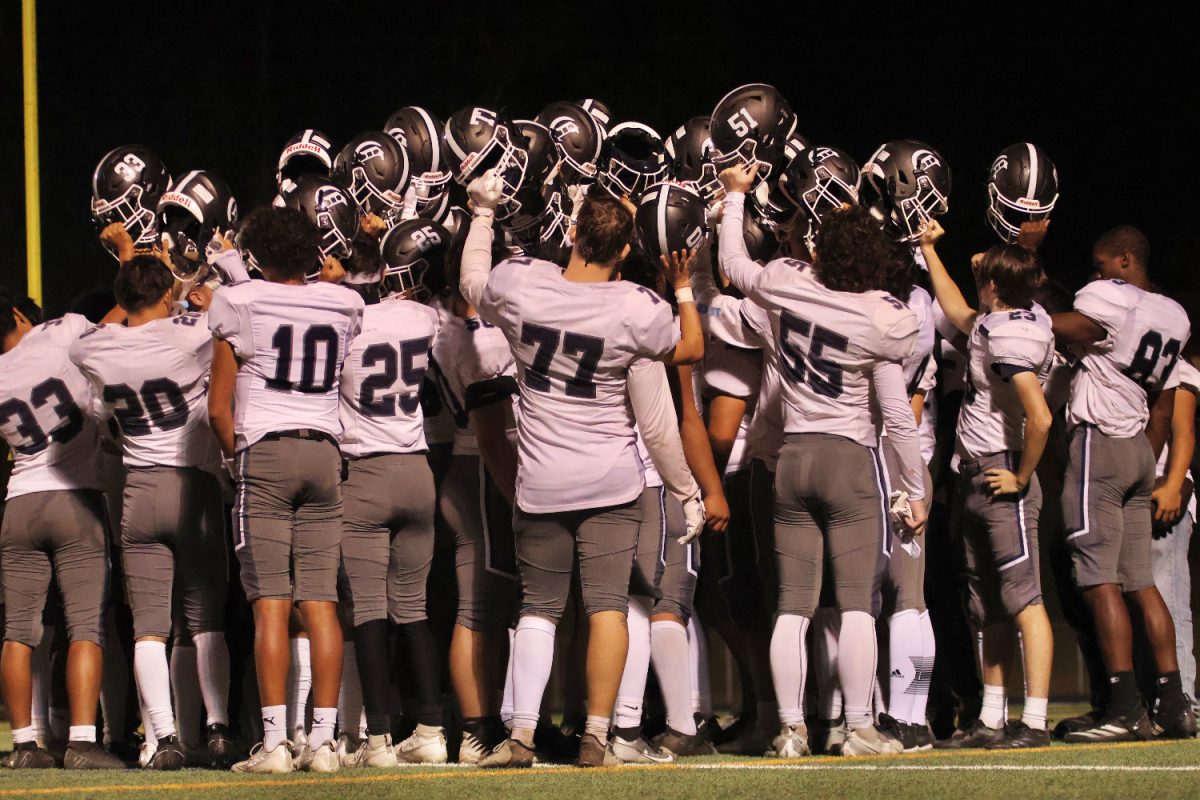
[[776, 209], [1022, 187], [479, 139], [414, 259], [669, 219], [196, 208], [420, 133], [329, 206], [689, 150], [543, 227], [374, 169], [577, 137], [821, 180], [631, 160], [752, 123], [126, 186], [761, 241], [309, 152], [598, 110], [906, 183]]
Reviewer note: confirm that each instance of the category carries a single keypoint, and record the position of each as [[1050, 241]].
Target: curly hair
[[1015, 272], [284, 241], [141, 282], [853, 254], [603, 228]]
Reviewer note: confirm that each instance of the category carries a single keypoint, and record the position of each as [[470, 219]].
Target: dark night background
[[218, 86]]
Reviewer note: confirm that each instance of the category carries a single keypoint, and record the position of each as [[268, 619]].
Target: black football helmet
[[577, 137], [598, 110], [1022, 187], [309, 152], [776, 210], [752, 123], [822, 180], [542, 226], [479, 139], [905, 184], [414, 259], [329, 206], [631, 160], [374, 168], [126, 186], [420, 133], [689, 150], [761, 242], [669, 219], [196, 208]]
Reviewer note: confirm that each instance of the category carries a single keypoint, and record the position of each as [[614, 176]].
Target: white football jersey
[[829, 343], [1146, 332], [291, 341], [153, 380], [47, 413], [573, 344], [651, 477], [382, 378], [1003, 343], [731, 370], [477, 368]]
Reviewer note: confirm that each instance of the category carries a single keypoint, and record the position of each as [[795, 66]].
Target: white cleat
[[471, 750], [267, 762], [374, 751], [639, 751], [427, 745], [299, 742], [870, 741], [323, 759], [146, 751], [792, 742]]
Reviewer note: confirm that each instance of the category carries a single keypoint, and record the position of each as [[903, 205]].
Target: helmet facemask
[[830, 193], [130, 212], [407, 280], [1006, 215]]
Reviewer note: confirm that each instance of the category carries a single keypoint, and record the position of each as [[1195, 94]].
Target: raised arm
[[735, 259], [676, 269], [477, 250], [956, 308]]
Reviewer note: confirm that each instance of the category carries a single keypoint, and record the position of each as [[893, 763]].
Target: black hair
[[602, 230], [1015, 271], [283, 241], [855, 255], [1126, 239], [141, 282]]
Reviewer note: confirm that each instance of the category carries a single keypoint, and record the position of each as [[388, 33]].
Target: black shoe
[[1176, 723], [168, 757], [1081, 723], [27, 755], [682, 745], [1018, 735], [900, 731], [555, 743], [1133, 727], [223, 750], [978, 735], [89, 755], [719, 736], [924, 736]]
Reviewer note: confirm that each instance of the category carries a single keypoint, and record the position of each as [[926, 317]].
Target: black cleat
[[1018, 736], [924, 737], [1081, 723], [168, 757], [1133, 727], [28, 755], [1176, 724], [900, 731], [682, 745], [978, 735], [223, 750], [89, 755]]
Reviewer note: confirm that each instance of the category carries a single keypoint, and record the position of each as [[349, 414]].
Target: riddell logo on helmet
[[302, 147], [176, 198]]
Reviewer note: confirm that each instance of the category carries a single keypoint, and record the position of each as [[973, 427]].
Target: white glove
[[693, 515], [899, 507], [484, 191]]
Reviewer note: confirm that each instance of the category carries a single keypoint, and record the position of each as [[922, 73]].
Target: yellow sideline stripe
[[33, 199], [405, 775]]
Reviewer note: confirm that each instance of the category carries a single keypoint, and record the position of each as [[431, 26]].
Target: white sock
[[924, 677], [669, 651], [1034, 713], [23, 735], [828, 623], [154, 687], [323, 725], [597, 726], [789, 661], [994, 703], [299, 683], [701, 684], [857, 654], [362, 724], [350, 699], [39, 710], [82, 733], [274, 722], [904, 648], [189, 703], [533, 658], [632, 691], [506, 701], [212, 663]]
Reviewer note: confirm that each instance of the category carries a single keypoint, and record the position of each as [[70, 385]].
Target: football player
[[579, 477], [151, 375], [1003, 426], [1127, 339], [273, 405], [54, 521], [840, 338]]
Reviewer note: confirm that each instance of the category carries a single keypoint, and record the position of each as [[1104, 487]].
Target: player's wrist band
[[684, 295]]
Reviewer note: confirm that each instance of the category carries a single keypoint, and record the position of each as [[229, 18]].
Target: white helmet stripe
[[435, 164], [664, 195], [1033, 171]]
